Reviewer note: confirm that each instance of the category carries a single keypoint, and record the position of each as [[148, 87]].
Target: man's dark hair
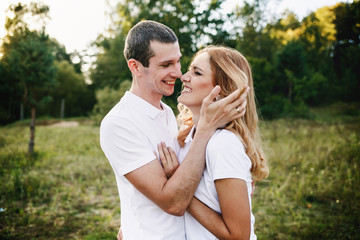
[[137, 44]]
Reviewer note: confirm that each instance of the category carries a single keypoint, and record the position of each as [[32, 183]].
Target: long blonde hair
[[231, 71]]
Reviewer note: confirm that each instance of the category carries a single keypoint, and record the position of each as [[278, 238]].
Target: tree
[[29, 60], [110, 66], [346, 53], [71, 88], [254, 37]]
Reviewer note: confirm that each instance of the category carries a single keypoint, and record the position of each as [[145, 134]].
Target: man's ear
[[135, 67]]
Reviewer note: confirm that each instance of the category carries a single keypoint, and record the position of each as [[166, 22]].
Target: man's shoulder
[[120, 114]]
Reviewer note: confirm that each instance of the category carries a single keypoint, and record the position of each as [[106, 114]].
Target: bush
[[107, 98]]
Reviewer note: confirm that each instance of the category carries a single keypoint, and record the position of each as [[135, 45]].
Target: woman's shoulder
[[225, 140], [226, 156]]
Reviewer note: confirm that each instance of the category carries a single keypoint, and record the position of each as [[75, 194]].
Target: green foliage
[[31, 62], [254, 39], [111, 67], [21, 13], [10, 95], [107, 98], [78, 96], [28, 73], [346, 81], [27, 55], [347, 23]]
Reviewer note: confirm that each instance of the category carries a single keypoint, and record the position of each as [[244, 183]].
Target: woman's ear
[[135, 67]]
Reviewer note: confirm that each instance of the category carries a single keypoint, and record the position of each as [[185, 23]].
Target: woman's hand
[[168, 159], [214, 114]]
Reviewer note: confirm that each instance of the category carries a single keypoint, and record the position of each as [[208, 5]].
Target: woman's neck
[[196, 117]]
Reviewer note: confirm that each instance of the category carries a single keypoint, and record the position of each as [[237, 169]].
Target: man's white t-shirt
[[225, 158], [129, 135]]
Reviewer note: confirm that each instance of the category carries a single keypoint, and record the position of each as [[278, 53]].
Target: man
[[151, 204]]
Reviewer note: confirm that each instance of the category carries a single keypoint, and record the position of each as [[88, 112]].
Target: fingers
[[239, 103], [166, 152], [167, 155], [240, 110], [231, 98], [239, 114], [212, 95], [162, 154], [168, 159], [242, 107], [236, 108], [173, 157]]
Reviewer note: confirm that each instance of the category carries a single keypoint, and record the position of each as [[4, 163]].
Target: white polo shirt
[[129, 135], [225, 158]]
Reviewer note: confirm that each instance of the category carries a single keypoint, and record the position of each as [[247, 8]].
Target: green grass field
[[68, 190]]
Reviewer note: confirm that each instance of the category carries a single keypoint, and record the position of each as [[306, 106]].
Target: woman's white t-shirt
[[225, 158]]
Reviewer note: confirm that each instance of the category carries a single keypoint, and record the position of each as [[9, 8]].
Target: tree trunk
[[290, 92], [62, 109], [32, 131]]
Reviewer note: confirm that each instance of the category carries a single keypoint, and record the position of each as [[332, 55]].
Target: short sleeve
[[125, 146], [226, 157]]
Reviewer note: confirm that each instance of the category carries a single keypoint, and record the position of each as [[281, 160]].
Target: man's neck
[[153, 99]]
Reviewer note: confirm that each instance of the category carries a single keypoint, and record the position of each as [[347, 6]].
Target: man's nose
[[177, 71]]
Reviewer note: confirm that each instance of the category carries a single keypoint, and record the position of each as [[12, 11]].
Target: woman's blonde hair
[[231, 71]]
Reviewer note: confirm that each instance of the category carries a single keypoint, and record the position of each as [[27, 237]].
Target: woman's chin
[[180, 99]]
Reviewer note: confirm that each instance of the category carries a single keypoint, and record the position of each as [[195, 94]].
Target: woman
[[221, 208]]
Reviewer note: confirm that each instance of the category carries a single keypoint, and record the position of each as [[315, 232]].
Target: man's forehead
[[165, 51]]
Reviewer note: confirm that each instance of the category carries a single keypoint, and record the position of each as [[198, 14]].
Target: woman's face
[[197, 83]]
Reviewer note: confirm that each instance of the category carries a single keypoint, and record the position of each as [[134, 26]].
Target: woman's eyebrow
[[197, 68]]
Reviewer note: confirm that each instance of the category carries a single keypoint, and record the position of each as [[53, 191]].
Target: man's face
[[164, 68]]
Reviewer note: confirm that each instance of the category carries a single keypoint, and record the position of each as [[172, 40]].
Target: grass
[[68, 190], [313, 191]]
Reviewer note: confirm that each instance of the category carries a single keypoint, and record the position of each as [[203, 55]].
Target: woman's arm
[[234, 222]]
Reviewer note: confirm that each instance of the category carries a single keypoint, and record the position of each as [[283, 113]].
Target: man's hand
[[218, 113], [168, 159]]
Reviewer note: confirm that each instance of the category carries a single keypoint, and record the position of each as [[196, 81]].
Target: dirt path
[[65, 124]]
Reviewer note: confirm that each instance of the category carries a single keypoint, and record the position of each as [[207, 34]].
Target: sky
[[76, 23]]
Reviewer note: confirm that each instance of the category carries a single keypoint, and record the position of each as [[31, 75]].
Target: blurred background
[[62, 69]]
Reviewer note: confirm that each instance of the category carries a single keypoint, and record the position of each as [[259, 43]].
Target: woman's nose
[[185, 77]]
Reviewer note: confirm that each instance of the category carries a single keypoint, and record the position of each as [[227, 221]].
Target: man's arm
[[173, 195]]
